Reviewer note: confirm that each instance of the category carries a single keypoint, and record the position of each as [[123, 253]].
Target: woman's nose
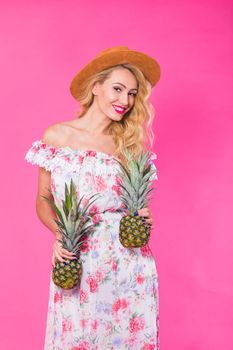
[[124, 100]]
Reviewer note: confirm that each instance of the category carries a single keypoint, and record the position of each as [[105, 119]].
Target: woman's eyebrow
[[124, 85]]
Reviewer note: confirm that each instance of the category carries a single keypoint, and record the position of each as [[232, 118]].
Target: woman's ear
[[95, 89]]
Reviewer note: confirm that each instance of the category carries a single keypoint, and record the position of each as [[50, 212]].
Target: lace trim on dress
[[49, 157], [42, 155]]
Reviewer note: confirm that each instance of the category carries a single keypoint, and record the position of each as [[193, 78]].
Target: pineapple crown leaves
[[70, 198], [138, 172], [135, 181], [72, 220], [73, 241], [137, 166]]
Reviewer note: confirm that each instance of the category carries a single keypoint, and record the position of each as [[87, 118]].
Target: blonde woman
[[116, 306]]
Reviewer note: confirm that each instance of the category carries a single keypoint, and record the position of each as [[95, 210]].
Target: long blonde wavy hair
[[134, 131]]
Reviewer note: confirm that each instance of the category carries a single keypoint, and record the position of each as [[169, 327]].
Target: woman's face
[[116, 95]]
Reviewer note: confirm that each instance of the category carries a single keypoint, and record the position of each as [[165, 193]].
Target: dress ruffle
[[42, 155], [49, 157]]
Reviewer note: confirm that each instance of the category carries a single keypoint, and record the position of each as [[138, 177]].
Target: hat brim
[[149, 67]]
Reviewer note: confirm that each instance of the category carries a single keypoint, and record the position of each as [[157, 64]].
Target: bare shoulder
[[56, 134]]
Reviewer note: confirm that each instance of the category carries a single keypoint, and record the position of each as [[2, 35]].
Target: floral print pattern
[[116, 306]]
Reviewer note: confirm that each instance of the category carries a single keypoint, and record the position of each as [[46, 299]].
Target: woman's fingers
[[67, 254], [61, 254], [146, 216], [71, 257], [147, 221], [145, 212], [59, 257]]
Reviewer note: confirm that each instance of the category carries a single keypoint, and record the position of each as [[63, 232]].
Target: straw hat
[[112, 56]]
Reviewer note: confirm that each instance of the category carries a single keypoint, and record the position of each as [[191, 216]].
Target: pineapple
[[134, 233], [73, 225]]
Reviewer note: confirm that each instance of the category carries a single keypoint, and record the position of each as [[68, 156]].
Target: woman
[[116, 306]]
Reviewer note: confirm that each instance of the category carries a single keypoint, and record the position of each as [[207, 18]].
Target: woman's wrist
[[57, 235]]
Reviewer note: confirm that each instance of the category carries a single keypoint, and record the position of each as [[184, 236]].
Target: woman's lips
[[119, 109]]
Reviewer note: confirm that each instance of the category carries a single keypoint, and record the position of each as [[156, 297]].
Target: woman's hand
[[146, 214], [59, 253]]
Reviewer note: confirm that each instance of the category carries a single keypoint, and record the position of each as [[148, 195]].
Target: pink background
[[44, 44]]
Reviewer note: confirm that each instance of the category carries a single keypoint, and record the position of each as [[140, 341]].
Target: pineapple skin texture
[[67, 274], [133, 232]]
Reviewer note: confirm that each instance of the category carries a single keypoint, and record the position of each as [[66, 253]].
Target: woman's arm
[[43, 208], [47, 215]]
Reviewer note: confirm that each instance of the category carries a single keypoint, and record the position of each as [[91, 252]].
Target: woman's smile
[[119, 109]]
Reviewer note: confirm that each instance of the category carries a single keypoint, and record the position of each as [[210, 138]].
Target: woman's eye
[[132, 93]]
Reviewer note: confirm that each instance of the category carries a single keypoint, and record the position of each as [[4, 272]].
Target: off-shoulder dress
[[117, 304]]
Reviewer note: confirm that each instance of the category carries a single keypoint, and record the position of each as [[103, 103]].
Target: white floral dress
[[117, 304]]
